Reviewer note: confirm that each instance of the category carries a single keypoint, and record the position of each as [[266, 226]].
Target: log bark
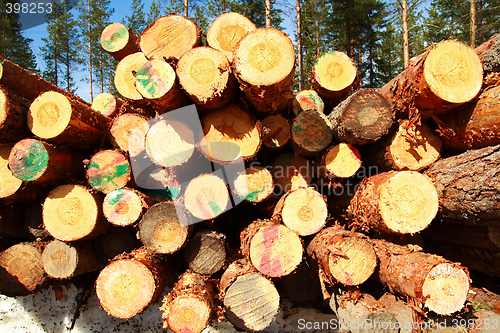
[[254, 185], [108, 170], [312, 132], [227, 30], [189, 307], [115, 241], [206, 75], [169, 37], [119, 41], [272, 248], [231, 133], [339, 162], [128, 133], [13, 116], [63, 261], [164, 228], [206, 196], [130, 283], [486, 237], [334, 76], [303, 210], [73, 212], [401, 202], [430, 280], [59, 119], [291, 172], [404, 314], [125, 206], [33, 160], [205, 252], [488, 53], [307, 100], [264, 63], [467, 185], [275, 131], [251, 301], [342, 256], [125, 77], [21, 269], [445, 76], [363, 117]]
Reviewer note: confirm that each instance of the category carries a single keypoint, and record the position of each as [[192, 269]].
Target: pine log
[[169, 37], [485, 237], [115, 241], [13, 115], [467, 185], [126, 206], [445, 76], [157, 82], [408, 146], [401, 202], [131, 282], [360, 312], [430, 280], [303, 210], [59, 119], [21, 269], [11, 222], [312, 132], [128, 133], [206, 196], [231, 133], [164, 228], [291, 171], [343, 256], [108, 170], [404, 314], [474, 125], [363, 117], [107, 104], [189, 307], [264, 63], [205, 252], [206, 76], [275, 131], [251, 300], [125, 76], [272, 248], [307, 100], [339, 161], [488, 54], [73, 212], [33, 160], [63, 260], [254, 185], [307, 279], [334, 76], [119, 41], [227, 30]]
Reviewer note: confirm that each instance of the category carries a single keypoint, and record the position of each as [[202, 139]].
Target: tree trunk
[[363, 117], [445, 76], [312, 133], [254, 185], [125, 206], [227, 30], [13, 115], [339, 162], [264, 63], [206, 76], [59, 119], [430, 280], [128, 133], [169, 37], [125, 76], [342, 256], [90, 53], [108, 170], [406, 43], [189, 307], [205, 252], [488, 54], [306, 100], [401, 202], [119, 41], [467, 185], [268, 13], [299, 45], [131, 282], [303, 210], [73, 212], [206, 196], [272, 248], [472, 23]]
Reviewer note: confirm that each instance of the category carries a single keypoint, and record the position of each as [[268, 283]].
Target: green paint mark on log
[[29, 164], [252, 196], [297, 128], [214, 207], [115, 196], [116, 40]]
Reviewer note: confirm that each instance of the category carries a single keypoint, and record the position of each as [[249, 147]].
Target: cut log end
[[9, 183], [206, 196], [155, 79], [276, 131], [106, 104], [307, 100], [255, 184], [334, 73], [123, 207], [205, 253], [29, 159], [108, 170], [311, 132], [125, 287], [128, 133], [118, 40], [125, 75], [49, 115], [59, 259], [445, 289], [342, 161], [189, 313]]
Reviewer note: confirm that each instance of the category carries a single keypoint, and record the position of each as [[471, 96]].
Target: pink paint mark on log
[[204, 211], [348, 279], [268, 266]]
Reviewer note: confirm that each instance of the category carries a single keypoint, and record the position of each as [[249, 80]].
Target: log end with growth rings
[[125, 75], [49, 115], [123, 206], [106, 104], [108, 170], [276, 131], [334, 72], [10, 183], [255, 184], [342, 161], [128, 133], [306, 100], [206, 196], [114, 37]]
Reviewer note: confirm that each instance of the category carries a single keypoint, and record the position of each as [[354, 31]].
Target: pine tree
[[447, 19], [137, 21], [154, 12], [255, 10]]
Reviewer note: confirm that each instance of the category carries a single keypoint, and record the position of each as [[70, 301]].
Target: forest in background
[[371, 32]]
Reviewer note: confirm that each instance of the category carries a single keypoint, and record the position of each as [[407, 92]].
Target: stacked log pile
[[257, 193]]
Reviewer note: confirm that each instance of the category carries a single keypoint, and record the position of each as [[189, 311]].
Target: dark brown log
[[488, 53], [312, 132], [108, 170], [467, 185], [363, 117], [131, 282], [34, 221], [486, 237], [205, 252], [401, 202], [119, 41], [21, 269], [126, 206], [189, 307], [115, 241], [430, 280], [291, 171], [254, 185], [13, 116], [275, 131]]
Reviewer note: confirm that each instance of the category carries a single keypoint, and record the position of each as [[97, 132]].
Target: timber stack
[[254, 194]]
